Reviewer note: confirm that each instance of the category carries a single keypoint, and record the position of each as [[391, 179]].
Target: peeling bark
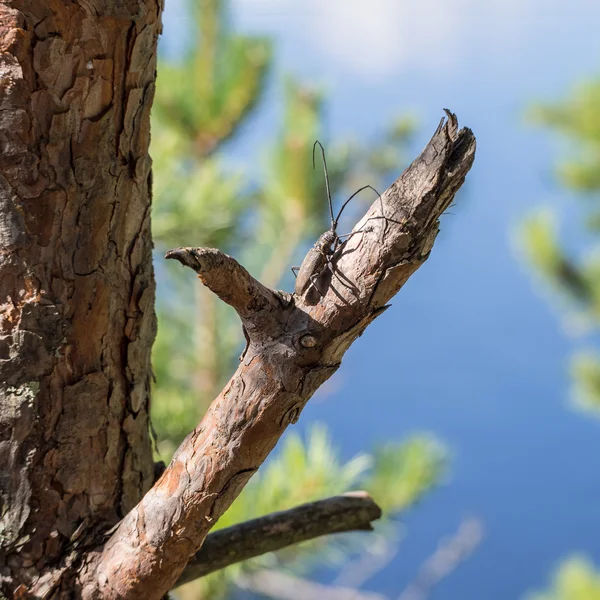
[[294, 345], [76, 282]]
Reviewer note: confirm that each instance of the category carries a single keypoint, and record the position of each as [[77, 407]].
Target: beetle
[[317, 261]]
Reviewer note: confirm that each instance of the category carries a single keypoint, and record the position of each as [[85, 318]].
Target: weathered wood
[[293, 348], [350, 512], [76, 281]]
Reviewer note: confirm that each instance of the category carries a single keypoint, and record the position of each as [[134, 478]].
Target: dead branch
[[350, 512], [294, 346]]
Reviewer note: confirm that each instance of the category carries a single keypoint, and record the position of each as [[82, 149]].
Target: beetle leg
[[347, 235], [313, 280], [329, 264]]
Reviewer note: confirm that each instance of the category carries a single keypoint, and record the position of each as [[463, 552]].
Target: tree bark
[[294, 345], [76, 282]]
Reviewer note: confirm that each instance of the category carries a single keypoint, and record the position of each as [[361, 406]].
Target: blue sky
[[481, 359]]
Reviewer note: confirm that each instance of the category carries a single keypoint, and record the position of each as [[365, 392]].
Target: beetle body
[[315, 262]]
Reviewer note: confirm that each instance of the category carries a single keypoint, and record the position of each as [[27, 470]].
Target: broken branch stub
[[293, 348], [349, 512]]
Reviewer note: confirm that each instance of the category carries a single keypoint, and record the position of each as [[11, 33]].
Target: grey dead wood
[[293, 347], [349, 512]]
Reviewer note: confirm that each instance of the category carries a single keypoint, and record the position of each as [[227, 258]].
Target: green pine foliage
[[206, 97], [578, 119], [576, 579], [574, 279], [586, 374], [402, 472]]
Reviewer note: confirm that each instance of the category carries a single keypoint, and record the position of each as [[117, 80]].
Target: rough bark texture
[[350, 512], [294, 346], [76, 283]]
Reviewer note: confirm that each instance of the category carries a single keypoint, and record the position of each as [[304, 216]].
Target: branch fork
[[294, 347]]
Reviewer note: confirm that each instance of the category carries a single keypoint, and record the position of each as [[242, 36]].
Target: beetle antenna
[[365, 187], [333, 222]]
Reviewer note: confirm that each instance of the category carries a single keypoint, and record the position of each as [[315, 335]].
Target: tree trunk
[[76, 282]]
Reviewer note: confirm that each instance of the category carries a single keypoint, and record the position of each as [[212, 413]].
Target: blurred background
[[470, 410]]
